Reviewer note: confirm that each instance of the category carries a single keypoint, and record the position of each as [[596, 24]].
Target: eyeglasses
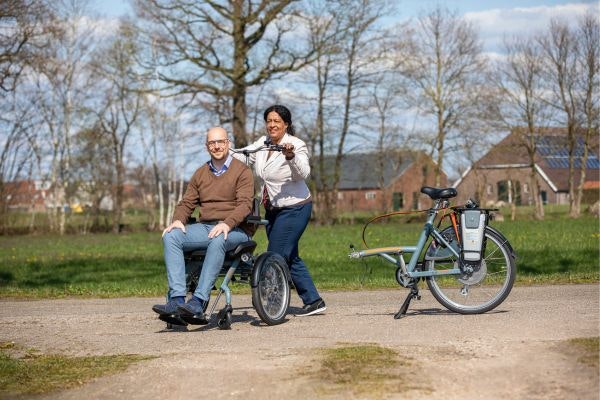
[[215, 143]]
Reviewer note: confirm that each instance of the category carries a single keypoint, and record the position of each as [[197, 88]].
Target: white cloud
[[495, 24]]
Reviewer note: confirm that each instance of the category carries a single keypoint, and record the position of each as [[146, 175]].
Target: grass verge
[[107, 265], [589, 349], [363, 371], [27, 372]]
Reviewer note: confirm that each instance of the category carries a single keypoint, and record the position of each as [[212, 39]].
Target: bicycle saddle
[[439, 193]]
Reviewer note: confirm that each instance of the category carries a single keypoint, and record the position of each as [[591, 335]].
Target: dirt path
[[515, 352]]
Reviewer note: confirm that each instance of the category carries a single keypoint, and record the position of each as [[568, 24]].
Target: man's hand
[[219, 228], [175, 224]]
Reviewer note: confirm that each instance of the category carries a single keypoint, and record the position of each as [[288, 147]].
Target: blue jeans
[[176, 242], [284, 230]]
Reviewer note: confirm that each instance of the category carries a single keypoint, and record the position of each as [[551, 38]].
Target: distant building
[[26, 195], [384, 182], [39, 196], [503, 174]]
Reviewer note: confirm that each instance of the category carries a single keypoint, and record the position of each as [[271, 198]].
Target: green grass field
[[107, 265]]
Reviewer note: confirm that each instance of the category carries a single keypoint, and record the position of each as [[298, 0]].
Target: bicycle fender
[[261, 259]]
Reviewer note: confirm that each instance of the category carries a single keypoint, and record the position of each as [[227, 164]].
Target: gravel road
[[517, 351]]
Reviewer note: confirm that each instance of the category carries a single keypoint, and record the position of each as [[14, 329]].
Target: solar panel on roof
[[555, 151]]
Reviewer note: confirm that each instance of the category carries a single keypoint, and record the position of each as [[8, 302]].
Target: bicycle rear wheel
[[483, 289], [270, 288]]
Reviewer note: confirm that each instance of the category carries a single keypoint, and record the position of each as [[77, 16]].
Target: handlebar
[[270, 146]]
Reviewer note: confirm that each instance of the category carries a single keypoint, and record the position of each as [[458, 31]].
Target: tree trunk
[[239, 116], [538, 205], [118, 197], [583, 161], [573, 210]]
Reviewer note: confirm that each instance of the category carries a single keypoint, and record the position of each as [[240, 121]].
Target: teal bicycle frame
[[428, 231]]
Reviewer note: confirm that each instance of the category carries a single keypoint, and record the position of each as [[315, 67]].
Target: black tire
[[481, 291], [271, 288], [225, 321]]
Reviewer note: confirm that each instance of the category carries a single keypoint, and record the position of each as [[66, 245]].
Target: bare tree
[[215, 52], [588, 59], [560, 48], [16, 154], [350, 50], [443, 70], [325, 30], [523, 111], [95, 174], [386, 96], [62, 90], [361, 49], [120, 105], [25, 27], [162, 148]]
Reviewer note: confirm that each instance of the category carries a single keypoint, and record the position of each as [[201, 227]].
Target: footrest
[[172, 319], [196, 319]]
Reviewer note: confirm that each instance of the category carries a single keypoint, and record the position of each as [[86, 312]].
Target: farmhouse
[[25, 195], [503, 175], [384, 182], [39, 196]]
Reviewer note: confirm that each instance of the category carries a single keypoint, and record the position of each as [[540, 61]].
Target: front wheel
[[484, 288], [271, 288]]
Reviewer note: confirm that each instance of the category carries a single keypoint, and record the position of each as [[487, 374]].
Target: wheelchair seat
[[244, 247]]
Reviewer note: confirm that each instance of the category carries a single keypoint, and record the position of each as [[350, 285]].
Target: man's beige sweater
[[226, 198]]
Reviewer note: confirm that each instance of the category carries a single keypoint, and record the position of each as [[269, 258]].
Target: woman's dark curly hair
[[285, 115]]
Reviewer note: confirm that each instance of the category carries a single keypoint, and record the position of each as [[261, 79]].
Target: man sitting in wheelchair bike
[[223, 190]]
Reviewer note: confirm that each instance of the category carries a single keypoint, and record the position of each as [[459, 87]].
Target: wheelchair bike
[[268, 275]]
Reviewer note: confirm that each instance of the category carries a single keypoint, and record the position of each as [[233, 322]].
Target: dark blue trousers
[[284, 230]]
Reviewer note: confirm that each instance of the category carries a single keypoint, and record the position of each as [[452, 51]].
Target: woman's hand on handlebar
[[288, 150]]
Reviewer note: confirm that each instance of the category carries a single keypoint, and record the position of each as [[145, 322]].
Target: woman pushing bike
[[283, 170]]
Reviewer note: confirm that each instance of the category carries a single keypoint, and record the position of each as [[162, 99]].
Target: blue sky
[[494, 18], [406, 7]]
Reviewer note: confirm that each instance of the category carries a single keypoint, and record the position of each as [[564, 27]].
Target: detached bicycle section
[[469, 266]]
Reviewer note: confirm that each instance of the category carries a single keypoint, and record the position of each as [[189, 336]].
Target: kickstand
[[414, 293]]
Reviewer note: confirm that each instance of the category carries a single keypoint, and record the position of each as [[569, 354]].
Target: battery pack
[[473, 224]]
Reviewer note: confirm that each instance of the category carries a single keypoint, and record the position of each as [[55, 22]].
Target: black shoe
[[193, 312], [166, 309], [313, 308], [169, 313]]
